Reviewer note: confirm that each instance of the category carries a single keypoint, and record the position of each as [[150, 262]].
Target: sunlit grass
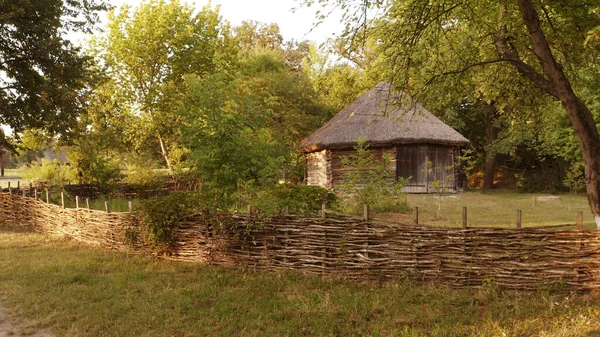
[[80, 291], [496, 209]]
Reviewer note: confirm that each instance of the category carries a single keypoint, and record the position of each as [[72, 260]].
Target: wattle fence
[[340, 246]]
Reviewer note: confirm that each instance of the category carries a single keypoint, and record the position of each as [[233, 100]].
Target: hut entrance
[[425, 164]]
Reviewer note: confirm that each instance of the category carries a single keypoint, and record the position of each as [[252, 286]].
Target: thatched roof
[[383, 117]]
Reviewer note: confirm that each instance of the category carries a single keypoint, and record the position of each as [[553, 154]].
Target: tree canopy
[[43, 76]]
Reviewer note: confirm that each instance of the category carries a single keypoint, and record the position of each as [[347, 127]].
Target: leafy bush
[[299, 199], [93, 167], [141, 172], [161, 216], [54, 172]]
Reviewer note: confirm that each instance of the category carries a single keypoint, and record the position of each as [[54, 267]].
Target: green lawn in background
[[496, 209]]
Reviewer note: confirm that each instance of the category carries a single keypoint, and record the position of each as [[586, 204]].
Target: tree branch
[[511, 56]]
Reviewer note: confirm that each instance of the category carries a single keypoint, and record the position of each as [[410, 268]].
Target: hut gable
[[384, 118]]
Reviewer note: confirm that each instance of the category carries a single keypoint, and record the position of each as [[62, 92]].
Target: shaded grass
[[496, 209], [76, 290]]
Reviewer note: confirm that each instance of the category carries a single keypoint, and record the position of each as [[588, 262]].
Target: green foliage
[[299, 199], [54, 173], [141, 171], [368, 180], [225, 129], [43, 75], [94, 167], [145, 53], [161, 216]]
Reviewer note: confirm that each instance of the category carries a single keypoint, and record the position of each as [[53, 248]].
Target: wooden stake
[[76, 201], [47, 196], [323, 210], [9, 185], [87, 203], [24, 193], [249, 209], [416, 215], [579, 221], [464, 218], [35, 194], [62, 199], [366, 212], [10, 191], [286, 210], [519, 219], [130, 204], [106, 206], [18, 184]]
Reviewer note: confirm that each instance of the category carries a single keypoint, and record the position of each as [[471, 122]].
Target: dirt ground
[[11, 326]]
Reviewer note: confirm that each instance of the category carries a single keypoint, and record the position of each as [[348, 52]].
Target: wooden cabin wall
[[377, 152], [426, 163], [318, 169]]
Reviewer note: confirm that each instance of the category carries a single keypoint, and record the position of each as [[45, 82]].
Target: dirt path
[[10, 326]]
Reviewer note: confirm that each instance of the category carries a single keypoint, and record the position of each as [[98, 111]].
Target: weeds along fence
[[340, 246]]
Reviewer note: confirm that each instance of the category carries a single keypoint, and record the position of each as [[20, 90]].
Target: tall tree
[[542, 41], [147, 51], [42, 75]]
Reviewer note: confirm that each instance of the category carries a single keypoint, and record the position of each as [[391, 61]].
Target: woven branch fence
[[342, 246]]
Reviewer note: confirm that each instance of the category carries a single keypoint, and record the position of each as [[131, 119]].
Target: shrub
[[300, 199], [54, 172], [161, 216]]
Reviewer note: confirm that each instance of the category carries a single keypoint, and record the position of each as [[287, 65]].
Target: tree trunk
[[558, 85], [165, 153], [491, 135], [2, 153]]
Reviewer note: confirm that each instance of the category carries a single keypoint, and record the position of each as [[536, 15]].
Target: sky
[[296, 25]]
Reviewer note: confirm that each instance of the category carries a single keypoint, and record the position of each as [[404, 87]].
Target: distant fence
[[120, 189], [343, 246]]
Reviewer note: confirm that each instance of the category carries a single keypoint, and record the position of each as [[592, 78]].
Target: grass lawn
[[496, 209], [76, 290]]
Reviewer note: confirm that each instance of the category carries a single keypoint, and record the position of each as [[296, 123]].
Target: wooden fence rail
[[339, 245]]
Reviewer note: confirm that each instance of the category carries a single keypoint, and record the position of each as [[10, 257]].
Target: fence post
[[416, 215], [76, 201], [519, 219], [323, 210], [579, 221], [62, 198], [18, 184], [106, 206], [366, 212], [47, 196], [130, 204], [35, 194], [464, 217], [87, 202], [9, 185]]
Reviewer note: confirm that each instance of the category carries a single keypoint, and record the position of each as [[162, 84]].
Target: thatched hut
[[425, 148]]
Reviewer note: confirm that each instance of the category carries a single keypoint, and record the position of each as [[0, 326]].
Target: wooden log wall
[[343, 246]]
